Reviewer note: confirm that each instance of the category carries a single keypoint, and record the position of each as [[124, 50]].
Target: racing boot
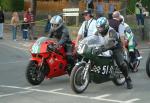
[[71, 63], [129, 83]]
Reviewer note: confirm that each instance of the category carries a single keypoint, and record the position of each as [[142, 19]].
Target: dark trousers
[[69, 49], [25, 34], [119, 58], [140, 19]]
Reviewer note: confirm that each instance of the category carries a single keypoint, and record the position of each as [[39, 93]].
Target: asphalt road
[[14, 88]]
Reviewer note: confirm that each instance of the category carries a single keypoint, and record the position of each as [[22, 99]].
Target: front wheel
[[33, 75], [78, 84], [148, 66]]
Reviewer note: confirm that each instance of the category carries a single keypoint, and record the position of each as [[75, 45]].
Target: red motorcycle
[[46, 61]]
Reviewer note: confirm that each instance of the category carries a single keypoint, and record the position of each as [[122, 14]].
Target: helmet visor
[[55, 25], [100, 29]]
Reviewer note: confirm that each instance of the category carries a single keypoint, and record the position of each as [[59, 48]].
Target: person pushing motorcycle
[[61, 33], [111, 41]]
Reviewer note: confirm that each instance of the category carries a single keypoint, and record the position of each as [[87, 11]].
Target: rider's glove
[[96, 50], [56, 46]]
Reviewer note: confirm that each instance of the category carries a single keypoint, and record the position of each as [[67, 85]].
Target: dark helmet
[[56, 22], [102, 25], [88, 11]]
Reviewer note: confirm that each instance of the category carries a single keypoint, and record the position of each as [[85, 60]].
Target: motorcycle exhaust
[[139, 58]]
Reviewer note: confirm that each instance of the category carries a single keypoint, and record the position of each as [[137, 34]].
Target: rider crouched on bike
[[111, 41], [130, 40], [61, 33]]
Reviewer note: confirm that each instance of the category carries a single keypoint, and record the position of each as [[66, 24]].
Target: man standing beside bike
[[88, 27], [111, 41]]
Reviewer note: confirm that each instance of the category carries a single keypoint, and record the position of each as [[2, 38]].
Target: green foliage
[[146, 3], [12, 5], [6, 4], [131, 5]]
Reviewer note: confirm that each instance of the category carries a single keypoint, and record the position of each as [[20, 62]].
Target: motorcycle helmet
[[102, 25], [56, 22], [121, 19]]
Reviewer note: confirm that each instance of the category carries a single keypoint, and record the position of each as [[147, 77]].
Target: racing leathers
[[111, 41], [63, 38], [129, 37]]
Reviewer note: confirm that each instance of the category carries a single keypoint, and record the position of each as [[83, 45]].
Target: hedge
[[12, 5], [131, 5]]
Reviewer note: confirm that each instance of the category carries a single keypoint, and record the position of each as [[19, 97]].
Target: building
[[58, 5]]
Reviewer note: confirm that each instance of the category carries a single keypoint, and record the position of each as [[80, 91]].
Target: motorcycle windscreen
[[86, 45], [36, 48], [92, 41]]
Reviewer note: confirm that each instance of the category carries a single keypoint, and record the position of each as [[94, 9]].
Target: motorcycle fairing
[[36, 48]]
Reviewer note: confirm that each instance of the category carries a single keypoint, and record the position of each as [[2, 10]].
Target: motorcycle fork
[[86, 70], [42, 66]]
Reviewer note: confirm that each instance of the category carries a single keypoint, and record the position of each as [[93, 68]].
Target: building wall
[[58, 5]]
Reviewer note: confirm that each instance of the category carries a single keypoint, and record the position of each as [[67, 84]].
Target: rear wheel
[[33, 75], [78, 84], [136, 64], [148, 66]]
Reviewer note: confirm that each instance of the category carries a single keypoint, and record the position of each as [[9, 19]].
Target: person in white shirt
[[88, 27]]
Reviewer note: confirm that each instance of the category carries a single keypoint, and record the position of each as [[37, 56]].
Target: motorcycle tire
[[119, 79], [137, 54], [148, 66], [33, 75], [134, 67], [79, 85]]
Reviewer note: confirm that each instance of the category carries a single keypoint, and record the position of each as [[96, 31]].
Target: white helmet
[[56, 22], [121, 19]]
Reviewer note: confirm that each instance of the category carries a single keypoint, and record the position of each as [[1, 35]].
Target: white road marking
[[100, 98], [56, 90], [11, 94], [132, 100]]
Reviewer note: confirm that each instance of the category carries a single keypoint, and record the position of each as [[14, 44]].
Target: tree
[[33, 6]]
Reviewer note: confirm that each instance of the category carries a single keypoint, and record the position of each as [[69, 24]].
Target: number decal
[[104, 70]]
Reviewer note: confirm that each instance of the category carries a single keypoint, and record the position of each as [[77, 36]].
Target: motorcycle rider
[[61, 33], [111, 41], [129, 36]]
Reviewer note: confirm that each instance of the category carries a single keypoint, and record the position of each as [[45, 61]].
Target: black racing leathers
[[61, 34], [63, 38], [113, 43]]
